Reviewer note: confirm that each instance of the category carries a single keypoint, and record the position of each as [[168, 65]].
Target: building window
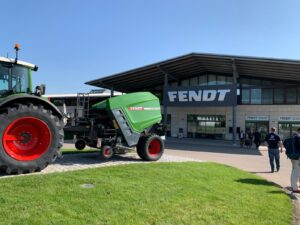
[[245, 96], [206, 126], [194, 81], [291, 95], [203, 80], [185, 83], [174, 84], [245, 82], [278, 95], [212, 79], [229, 80], [267, 96], [255, 96], [221, 80]]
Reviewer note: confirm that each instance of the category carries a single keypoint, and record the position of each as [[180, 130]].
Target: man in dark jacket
[[257, 139], [295, 175], [274, 143]]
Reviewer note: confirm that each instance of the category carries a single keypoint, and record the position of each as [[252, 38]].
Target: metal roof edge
[[144, 67], [193, 54]]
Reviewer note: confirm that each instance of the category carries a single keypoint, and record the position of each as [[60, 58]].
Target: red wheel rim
[[107, 152], [26, 138], [154, 147]]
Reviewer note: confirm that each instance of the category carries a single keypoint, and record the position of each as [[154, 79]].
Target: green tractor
[[31, 128]]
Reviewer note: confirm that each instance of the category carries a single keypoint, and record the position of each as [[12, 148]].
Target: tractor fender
[[27, 98]]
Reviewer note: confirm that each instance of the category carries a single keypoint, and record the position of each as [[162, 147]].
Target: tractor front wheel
[[30, 138], [150, 148]]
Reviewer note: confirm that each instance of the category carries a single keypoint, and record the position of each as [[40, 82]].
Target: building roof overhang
[[195, 64]]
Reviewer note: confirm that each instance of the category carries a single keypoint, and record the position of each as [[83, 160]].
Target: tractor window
[[13, 79], [4, 74], [19, 79]]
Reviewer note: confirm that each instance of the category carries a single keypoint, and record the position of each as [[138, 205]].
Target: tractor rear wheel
[[150, 148], [30, 138]]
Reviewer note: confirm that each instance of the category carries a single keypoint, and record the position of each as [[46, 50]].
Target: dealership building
[[217, 96]]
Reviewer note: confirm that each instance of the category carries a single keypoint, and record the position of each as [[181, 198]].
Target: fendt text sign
[[219, 95]]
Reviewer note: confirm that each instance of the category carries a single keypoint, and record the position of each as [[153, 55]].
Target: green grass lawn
[[156, 193]]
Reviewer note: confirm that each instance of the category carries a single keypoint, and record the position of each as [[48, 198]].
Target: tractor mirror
[[40, 90]]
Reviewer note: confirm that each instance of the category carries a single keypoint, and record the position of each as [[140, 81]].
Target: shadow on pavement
[[208, 145]]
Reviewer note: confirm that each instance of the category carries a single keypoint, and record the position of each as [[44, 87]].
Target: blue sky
[[74, 41]]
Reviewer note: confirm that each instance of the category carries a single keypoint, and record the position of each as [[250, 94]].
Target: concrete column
[[165, 100], [112, 92], [234, 106]]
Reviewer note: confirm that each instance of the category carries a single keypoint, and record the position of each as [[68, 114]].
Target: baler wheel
[[150, 148], [106, 152], [80, 144], [30, 138]]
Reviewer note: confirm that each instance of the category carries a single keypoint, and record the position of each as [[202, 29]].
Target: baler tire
[[151, 148], [139, 147], [106, 152], [80, 144], [30, 138]]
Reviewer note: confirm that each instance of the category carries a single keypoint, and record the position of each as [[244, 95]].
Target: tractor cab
[[15, 76]]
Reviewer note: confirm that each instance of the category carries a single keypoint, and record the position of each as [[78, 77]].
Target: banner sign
[[216, 95], [289, 118], [257, 118]]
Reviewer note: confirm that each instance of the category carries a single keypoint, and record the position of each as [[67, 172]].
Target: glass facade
[[204, 80], [287, 129], [266, 92], [251, 91], [206, 126], [261, 126]]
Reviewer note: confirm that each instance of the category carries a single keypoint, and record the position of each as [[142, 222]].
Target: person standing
[[250, 138], [242, 138], [257, 139], [295, 174], [274, 143]]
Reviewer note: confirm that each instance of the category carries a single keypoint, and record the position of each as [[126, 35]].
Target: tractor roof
[[19, 62]]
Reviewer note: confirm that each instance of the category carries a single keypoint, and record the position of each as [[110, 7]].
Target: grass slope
[[156, 193]]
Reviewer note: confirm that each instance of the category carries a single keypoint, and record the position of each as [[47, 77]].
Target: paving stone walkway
[[80, 161]]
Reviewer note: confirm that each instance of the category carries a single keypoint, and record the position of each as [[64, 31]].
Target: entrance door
[[286, 130], [168, 128], [206, 126], [261, 126]]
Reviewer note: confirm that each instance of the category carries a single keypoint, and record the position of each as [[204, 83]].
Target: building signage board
[[289, 118], [216, 95], [257, 118]]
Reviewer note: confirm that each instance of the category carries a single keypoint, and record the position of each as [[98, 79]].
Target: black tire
[[80, 144], [55, 137], [107, 152], [150, 148], [139, 147]]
